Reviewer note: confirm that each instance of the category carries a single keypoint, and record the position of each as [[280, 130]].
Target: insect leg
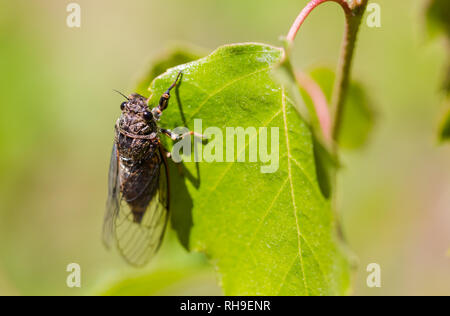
[[166, 155], [175, 136], [164, 100]]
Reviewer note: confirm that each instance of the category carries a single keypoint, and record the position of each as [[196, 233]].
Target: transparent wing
[[139, 240], [112, 204]]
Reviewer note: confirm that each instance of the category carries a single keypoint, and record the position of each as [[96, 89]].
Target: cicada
[[137, 208]]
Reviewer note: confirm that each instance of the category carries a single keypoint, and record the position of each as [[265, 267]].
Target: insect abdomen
[[139, 182]]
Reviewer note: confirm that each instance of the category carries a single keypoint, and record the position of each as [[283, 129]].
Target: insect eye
[[148, 115], [122, 105]]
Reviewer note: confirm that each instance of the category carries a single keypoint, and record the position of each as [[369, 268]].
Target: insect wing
[[112, 204], [139, 241]]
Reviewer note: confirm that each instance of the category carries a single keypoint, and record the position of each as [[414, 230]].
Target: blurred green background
[[56, 131]]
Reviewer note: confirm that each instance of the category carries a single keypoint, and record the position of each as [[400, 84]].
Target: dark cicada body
[[139, 155], [138, 201]]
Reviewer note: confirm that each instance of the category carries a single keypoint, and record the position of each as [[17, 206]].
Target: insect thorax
[[132, 127]]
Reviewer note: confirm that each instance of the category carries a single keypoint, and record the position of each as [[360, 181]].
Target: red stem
[[320, 103], [308, 9]]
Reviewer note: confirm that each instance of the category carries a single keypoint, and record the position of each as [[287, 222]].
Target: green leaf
[[145, 284], [327, 165], [358, 116], [169, 281], [438, 22], [445, 128], [357, 119], [267, 233], [437, 14]]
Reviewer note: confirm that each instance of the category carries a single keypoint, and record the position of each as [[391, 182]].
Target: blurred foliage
[[159, 282], [445, 127], [358, 115], [176, 55], [438, 17], [438, 23]]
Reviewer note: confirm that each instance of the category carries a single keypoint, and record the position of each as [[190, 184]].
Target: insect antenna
[[175, 82], [121, 94]]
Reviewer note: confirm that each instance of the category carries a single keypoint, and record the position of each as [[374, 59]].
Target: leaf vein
[[316, 188], [215, 92], [283, 106], [317, 260], [266, 213], [245, 148], [286, 274]]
